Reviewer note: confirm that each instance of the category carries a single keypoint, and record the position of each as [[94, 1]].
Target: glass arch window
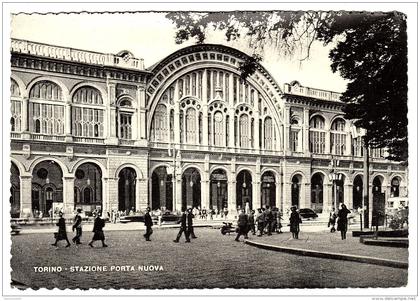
[[46, 109], [160, 124], [268, 133], [317, 135], [218, 129], [87, 113], [244, 131], [338, 137]]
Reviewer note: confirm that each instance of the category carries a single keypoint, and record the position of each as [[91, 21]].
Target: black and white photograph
[[184, 148]]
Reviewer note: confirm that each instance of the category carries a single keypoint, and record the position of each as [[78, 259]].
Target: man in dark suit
[[268, 219], [190, 227], [98, 232], [148, 223], [183, 228], [242, 225], [78, 226]]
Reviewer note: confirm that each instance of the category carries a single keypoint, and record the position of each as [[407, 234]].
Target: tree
[[370, 50]]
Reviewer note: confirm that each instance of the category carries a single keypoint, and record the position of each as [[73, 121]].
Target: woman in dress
[[342, 220], [295, 220]]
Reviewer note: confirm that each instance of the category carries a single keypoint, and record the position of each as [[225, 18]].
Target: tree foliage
[[370, 50]]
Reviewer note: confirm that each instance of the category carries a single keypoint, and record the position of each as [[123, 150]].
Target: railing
[[126, 142], [296, 89], [76, 55], [89, 140], [47, 137], [15, 135]]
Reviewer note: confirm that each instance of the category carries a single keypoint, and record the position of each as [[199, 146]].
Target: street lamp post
[[334, 176]]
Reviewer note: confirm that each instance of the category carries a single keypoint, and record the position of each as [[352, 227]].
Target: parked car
[[169, 217], [307, 213], [132, 219]]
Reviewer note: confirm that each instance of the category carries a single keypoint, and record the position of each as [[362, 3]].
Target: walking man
[[98, 233], [268, 219], [242, 225], [251, 222], [78, 226], [62, 233], [190, 227], [148, 223], [260, 222], [183, 228]]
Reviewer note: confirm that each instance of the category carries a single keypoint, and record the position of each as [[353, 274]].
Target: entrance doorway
[[358, 192], [218, 190], [127, 190], [268, 190], [296, 185], [162, 189], [244, 190], [317, 192], [191, 188]]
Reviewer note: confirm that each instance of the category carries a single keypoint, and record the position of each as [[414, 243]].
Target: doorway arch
[[317, 192], [191, 188], [218, 190], [244, 190], [268, 189], [127, 190]]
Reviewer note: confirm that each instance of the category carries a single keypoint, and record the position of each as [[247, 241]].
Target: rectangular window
[[294, 141]]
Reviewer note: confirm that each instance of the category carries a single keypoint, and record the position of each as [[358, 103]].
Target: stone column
[[205, 192], [305, 136], [287, 130], [232, 198], [205, 108], [278, 194], [26, 196], [348, 195], [111, 129], [68, 194], [178, 198], [287, 193], [24, 121], [177, 129], [142, 192], [327, 195], [306, 194], [141, 114], [256, 194], [111, 192], [67, 121]]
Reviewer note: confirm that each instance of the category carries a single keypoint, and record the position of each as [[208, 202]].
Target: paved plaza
[[211, 261]]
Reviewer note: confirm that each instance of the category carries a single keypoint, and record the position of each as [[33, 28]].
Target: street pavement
[[210, 261]]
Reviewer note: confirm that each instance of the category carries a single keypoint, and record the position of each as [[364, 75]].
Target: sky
[[151, 36]]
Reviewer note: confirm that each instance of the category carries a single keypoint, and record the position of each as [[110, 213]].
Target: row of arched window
[[46, 110]]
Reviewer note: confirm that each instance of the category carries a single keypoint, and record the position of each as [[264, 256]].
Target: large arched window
[[16, 107], [317, 135], [46, 109], [160, 124], [87, 113], [338, 137]]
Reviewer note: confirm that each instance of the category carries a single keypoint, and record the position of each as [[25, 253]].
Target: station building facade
[[100, 131]]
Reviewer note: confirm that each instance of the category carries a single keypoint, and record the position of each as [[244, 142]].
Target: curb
[[327, 255]]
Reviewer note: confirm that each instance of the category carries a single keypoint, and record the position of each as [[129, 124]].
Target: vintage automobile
[[307, 213]]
